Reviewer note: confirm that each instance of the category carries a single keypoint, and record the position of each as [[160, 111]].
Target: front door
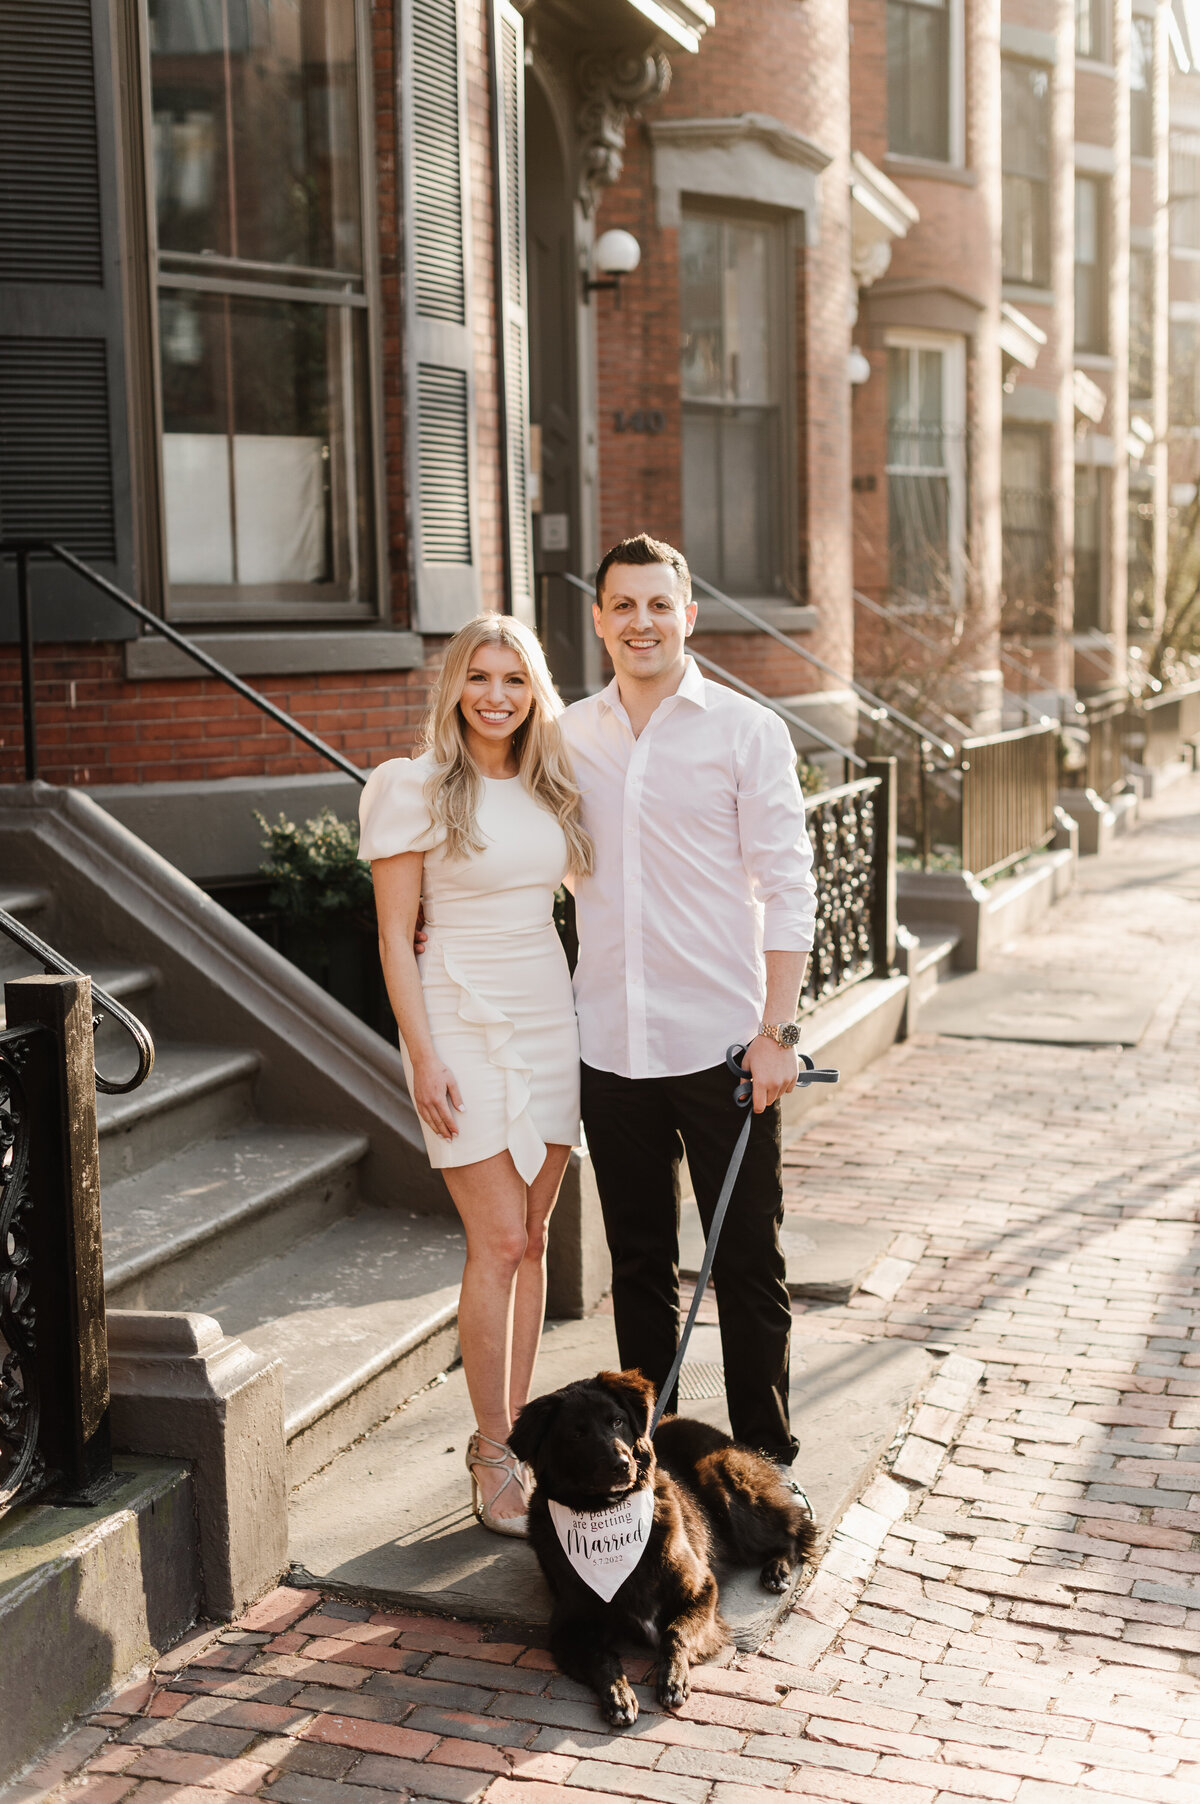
[[563, 612]]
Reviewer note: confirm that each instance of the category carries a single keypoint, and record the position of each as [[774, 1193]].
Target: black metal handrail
[[756, 695], [55, 965], [24, 549], [876, 703], [852, 831]]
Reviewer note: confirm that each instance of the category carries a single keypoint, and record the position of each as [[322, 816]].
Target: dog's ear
[[635, 1393], [530, 1427]]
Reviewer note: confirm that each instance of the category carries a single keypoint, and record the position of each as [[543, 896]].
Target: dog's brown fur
[[589, 1447]]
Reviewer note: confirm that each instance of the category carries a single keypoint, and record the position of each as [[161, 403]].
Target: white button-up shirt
[[702, 864]]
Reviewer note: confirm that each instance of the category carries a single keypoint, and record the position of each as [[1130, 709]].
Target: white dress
[[497, 988]]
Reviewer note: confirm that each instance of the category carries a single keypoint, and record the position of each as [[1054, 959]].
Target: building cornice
[[721, 134]]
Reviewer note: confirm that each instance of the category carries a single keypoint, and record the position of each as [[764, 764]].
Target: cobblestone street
[[1029, 1628]]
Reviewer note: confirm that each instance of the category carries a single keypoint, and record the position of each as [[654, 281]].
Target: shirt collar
[[691, 689]]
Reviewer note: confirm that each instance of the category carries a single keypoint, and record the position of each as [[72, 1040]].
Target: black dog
[[590, 1450]]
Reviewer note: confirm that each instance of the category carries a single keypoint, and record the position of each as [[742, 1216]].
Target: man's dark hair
[[642, 549]]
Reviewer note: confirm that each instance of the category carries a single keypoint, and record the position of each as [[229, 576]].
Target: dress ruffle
[[526, 1145]]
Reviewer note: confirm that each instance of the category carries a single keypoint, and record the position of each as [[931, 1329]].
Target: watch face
[[789, 1034]]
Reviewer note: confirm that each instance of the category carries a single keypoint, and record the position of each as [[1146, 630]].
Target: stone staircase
[[217, 1199]]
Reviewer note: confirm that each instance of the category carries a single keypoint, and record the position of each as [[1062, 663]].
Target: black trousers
[[637, 1131]]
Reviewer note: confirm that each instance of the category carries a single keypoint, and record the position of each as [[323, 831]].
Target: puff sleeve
[[393, 816]]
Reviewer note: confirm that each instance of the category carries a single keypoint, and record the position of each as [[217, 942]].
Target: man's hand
[[773, 1068], [419, 934]]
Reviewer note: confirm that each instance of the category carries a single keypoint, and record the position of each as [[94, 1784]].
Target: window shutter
[[64, 471], [508, 63], [440, 350]]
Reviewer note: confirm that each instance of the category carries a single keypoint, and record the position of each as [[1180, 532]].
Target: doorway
[[564, 618]]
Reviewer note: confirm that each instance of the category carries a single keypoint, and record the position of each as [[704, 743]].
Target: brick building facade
[[304, 346]]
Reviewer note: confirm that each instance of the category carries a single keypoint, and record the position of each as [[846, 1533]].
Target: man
[[694, 933]]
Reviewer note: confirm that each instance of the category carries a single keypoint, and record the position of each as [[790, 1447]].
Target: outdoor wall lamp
[[614, 254]]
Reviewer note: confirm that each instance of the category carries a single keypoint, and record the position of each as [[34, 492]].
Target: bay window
[[733, 372], [263, 292]]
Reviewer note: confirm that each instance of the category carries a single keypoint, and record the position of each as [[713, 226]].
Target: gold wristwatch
[[784, 1033]]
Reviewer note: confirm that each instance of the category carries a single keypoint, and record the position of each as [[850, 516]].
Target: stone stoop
[[985, 916], [88, 1594], [411, 1540], [261, 1224]]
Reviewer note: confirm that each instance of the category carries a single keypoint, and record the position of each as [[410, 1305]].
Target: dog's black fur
[[589, 1447]]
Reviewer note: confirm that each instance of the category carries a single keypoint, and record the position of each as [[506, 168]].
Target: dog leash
[[743, 1096]]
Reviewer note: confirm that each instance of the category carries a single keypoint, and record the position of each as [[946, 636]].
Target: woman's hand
[[436, 1096]]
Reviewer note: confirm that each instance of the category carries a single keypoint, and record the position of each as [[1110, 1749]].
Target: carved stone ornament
[[610, 87]]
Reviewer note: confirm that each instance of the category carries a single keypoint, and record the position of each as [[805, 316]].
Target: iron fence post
[[883, 893], [65, 1267], [25, 626]]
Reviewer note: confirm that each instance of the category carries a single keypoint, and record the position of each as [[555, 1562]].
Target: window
[[1092, 30], [1027, 523], [732, 370], [918, 78], [1185, 373], [1141, 87], [1184, 206], [1141, 324], [1140, 588], [262, 307], [1089, 545], [1025, 139], [926, 471], [1091, 275]]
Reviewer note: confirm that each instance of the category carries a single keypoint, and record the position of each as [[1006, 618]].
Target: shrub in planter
[[321, 894]]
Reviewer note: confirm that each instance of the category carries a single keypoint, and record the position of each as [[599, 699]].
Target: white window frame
[[954, 426]]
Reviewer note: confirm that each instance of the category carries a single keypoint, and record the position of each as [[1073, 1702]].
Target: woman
[[480, 829]]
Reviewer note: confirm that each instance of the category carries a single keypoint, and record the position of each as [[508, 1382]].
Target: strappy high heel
[[517, 1526]]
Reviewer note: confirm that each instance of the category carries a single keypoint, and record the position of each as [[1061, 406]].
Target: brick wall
[[95, 727], [789, 62]]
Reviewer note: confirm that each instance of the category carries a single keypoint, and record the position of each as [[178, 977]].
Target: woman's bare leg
[[529, 1308], [492, 1203]]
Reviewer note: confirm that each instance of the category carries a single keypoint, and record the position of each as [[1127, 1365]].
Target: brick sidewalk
[[1030, 1629]]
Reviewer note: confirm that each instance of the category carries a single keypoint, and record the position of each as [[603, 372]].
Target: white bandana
[[604, 1546]]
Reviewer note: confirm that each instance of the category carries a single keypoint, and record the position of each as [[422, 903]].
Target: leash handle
[[742, 1096]]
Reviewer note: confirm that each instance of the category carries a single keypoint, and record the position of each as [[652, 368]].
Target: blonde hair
[[454, 789]]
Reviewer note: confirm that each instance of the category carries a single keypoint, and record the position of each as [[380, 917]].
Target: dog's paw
[[673, 1688], [777, 1575], [618, 1704]]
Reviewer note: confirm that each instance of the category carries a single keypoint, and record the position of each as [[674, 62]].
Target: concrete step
[[119, 1577], [193, 1093], [932, 963], [363, 1315], [192, 1221], [410, 1538]]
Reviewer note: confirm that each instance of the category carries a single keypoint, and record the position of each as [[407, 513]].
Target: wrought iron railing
[[1171, 722], [1108, 720], [853, 834], [54, 1437], [1009, 789], [53, 963], [26, 550]]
